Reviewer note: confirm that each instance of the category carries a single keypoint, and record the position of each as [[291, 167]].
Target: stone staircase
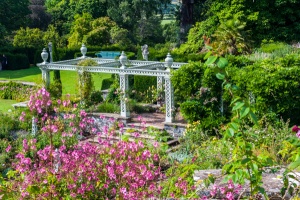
[[135, 128]]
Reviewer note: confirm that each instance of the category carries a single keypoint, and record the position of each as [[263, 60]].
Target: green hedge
[[16, 61], [142, 83], [272, 85], [106, 83]]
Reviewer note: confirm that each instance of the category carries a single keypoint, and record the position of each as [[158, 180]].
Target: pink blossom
[[8, 148]]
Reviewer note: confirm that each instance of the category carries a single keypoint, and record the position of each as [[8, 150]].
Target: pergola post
[[124, 87], [46, 77], [169, 98], [159, 87], [169, 93], [124, 96]]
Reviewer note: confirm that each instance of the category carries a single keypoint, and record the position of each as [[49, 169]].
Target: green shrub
[[272, 86], [187, 80], [16, 91], [274, 46], [107, 107], [55, 89], [106, 83], [191, 110], [86, 83], [140, 108], [96, 97], [17, 61], [7, 124], [143, 83]]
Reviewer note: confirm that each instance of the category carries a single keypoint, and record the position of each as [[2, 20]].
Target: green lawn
[[33, 74], [6, 105]]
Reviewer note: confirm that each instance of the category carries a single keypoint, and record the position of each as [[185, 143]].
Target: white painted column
[[169, 98], [124, 96], [159, 87], [45, 77]]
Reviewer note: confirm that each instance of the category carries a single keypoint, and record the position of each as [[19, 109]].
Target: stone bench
[[20, 105]]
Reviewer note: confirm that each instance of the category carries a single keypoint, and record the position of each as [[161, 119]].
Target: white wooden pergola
[[123, 67]]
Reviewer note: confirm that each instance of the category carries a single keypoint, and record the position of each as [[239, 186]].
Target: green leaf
[[295, 164], [234, 87], [245, 160], [253, 118], [211, 60], [254, 167], [235, 178], [261, 190], [222, 62], [238, 105], [227, 86], [208, 47], [235, 126], [231, 131], [235, 100], [220, 76], [244, 111], [207, 55]]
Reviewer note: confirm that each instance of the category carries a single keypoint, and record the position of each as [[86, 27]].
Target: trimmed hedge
[[106, 83], [142, 83], [16, 61]]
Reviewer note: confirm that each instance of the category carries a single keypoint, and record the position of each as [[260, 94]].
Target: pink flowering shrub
[[124, 170], [229, 191], [40, 102]]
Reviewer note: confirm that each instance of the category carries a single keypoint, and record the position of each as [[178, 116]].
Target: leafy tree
[[28, 38], [2, 34], [170, 32], [276, 20], [38, 17], [12, 14], [120, 36], [97, 8], [100, 31], [149, 31], [126, 13], [51, 34], [81, 26], [61, 14]]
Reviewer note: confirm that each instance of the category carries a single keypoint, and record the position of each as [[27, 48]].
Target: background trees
[[139, 22]]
